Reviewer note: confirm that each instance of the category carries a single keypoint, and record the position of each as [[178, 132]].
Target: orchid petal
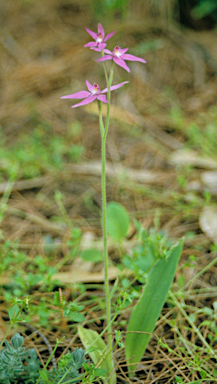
[[102, 98], [113, 87], [77, 95], [88, 100], [91, 44], [92, 34], [89, 86], [132, 58], [121, 62], [96, 49], [122, 51], [101, 31], [106, 57], [99, 47], [109, 35], [107, 51]]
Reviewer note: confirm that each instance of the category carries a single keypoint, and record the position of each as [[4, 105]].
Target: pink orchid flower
[[100, 38], [118, 55], [93, 94]]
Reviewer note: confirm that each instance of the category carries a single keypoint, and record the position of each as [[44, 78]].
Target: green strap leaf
[[147, 310], [97, 351]]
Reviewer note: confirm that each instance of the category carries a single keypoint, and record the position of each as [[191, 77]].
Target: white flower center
[[99, 38], [96, 89], [117, 51]]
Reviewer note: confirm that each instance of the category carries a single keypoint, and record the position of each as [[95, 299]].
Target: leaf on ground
[[82, 271], [92, 254], [98, 349], [190, 157], [208, 222], [209, 179], [118, 220]]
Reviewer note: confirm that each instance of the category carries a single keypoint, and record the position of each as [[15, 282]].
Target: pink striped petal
[[91, 44], [102, 98], [92, 34], [88, 100], [121, 62], [77, 95], [113, 87], [101, 31], [106, 57], [109, 35], [126, 56]]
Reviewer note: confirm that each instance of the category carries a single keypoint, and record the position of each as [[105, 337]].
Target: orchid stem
[[109, 83], [104, 131]]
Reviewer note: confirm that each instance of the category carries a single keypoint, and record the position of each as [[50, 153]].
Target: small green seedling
[[118, 221]]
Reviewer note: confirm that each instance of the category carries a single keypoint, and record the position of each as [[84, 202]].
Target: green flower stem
[[101, 125], [104, 131], [104, 221], [109, 83], [105, 246], [106, 75]]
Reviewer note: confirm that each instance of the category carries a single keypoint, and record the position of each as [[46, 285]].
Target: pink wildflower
[[100, 38], [93, 94], [118, 55]]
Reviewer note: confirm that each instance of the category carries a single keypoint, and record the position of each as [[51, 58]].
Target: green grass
[[38, 152], [201, 134]]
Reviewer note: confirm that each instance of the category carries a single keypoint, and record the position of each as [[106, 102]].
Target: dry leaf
[[81, 273], [208, 222], [209, 179], [189, 157]]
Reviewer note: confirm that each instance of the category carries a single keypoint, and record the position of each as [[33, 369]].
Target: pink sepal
[[113, 87], [106, 57], [77, 95], [88, 100], [129, 57], [99, 48], [109, 35], [107, 51], [89, 86], [101, 31], [92, 34], [91, 44], [122, 51], [102, 98], [121, 63]]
